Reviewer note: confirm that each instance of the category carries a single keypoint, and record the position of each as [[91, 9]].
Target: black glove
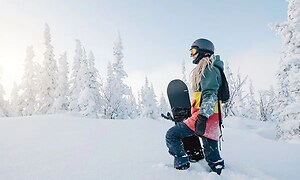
[[200, 125]]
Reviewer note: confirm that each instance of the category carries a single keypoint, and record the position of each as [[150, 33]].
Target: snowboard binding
[[179, 114]]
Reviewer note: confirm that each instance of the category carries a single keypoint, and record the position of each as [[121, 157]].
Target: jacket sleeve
[[210, 83]]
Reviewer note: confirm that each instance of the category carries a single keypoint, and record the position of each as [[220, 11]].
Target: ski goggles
[[194, 51]]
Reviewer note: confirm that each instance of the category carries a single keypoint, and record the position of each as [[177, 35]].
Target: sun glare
[[10, 71]]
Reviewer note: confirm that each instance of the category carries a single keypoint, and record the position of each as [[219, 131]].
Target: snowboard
[[179, 99]]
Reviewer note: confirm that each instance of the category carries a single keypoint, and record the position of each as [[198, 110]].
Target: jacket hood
[[218, 62]]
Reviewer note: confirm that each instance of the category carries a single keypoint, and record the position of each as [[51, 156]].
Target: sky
[[156, 35]]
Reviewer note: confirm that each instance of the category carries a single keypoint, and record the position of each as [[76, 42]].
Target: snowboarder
[[204, 122]]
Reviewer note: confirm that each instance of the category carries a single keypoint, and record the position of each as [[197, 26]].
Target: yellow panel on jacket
[[197, 97]]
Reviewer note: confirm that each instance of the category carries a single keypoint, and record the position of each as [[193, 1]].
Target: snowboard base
[[179, 99]]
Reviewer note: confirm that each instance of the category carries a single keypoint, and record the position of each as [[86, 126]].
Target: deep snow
[[68, 146]]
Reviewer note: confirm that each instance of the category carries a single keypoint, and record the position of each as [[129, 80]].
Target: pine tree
[[288, 74], [116, 90], [4, 108], [235, 105], [251, 103], [61, 102], [148, 101], [163, 105], [15, 100], [131, 107], [239, 100], [75, 87], [2, 102], [89, 98], [266, 103], [139, 104], [120, 75], [28, 86], [108, 93], [49, 76], [183, 71], [38, 81], [95, 82], [273, 105]]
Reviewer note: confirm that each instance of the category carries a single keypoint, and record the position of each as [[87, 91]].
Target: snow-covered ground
[[71, 147]]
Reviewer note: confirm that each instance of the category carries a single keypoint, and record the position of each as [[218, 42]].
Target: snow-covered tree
[[120, 75], [235, 105], [61, 102], [266, 105], [288, 74], [38, 81], [49, 76], [273, 105], [239, 107], [148, 101], [116, 90], [131, 107], [251, 103], [163, 106], [183, 71], [89, 100], [95, 82], [139, 105], [75, 87], [4, 108], [28, 86], [15, 101], [110, 99]]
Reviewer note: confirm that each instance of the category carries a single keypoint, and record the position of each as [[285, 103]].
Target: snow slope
[[70, 147]]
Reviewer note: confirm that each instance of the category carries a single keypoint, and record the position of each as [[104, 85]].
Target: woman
[[204, 122]]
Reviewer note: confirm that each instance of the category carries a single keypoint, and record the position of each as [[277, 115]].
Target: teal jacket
[[210, 83]]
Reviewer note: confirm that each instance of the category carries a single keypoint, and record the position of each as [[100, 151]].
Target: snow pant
[[212, 155], [174, 138]]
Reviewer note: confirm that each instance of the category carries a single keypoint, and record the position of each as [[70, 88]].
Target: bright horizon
[[156, 36]]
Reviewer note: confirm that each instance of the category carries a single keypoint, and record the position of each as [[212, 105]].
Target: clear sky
[[156, 35]]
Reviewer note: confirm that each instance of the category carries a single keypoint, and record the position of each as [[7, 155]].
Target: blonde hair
[[198, 71]]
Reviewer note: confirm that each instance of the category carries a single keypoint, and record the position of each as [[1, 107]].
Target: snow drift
[[68, 146]]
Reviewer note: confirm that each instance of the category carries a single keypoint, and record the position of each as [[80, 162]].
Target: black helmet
[[204, 44], [203, 48]]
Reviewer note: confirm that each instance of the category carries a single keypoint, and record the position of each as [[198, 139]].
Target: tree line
[[52, 87]]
